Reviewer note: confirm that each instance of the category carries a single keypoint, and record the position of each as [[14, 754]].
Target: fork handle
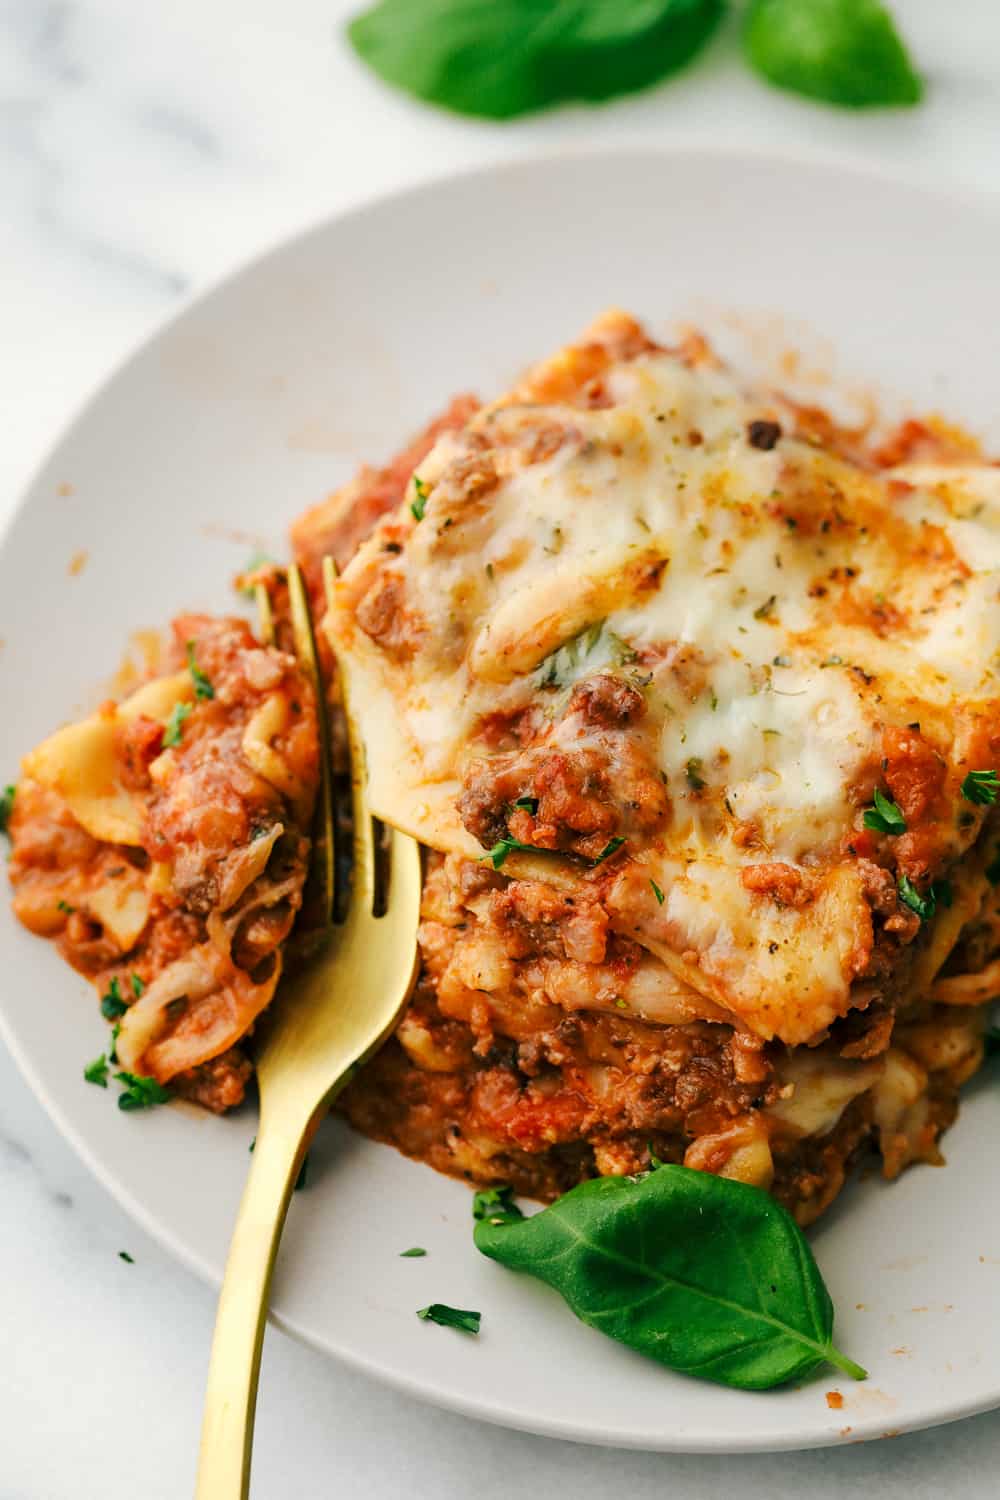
[[231, 1394]]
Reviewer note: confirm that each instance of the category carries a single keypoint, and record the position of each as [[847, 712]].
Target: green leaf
[[924, 906], [981, 787], [610, 848], [845, 52], [419, 505], [451, 1317], [97, 1072], [140, 1092], [175, 724], [885, 816], [124, 1255], [496, 1205], [660, 898], [503, 847], [706, 1275], [6, 806], [115, 1033], [112, 1004], [414, 1253], [501, 58], [202, 686]]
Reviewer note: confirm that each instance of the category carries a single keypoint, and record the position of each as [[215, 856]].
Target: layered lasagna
[[162, 843], [690, 695]]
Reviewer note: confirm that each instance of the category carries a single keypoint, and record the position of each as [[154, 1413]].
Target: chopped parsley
[[660, 898], [558, 668], [6, 806], [451, 1317], [981, 787], [530, 804], [489, 1203], [97, 1072], [202, 686], [610, 848], [763, 611], [112, 1004], [124, 1255], [884, 816], [115, 1033], [137, 986], [175, 724], [506, 846], [412, 1253], [419, 505], [65, 907], [139, 1092], [924, 906], [692, 770]]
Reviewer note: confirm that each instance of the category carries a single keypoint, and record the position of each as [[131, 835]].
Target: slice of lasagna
[[642, 643], [162, 843]]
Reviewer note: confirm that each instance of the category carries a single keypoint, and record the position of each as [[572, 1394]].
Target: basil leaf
[[451, 1317], [706, 1275], [844, 52], [501, 58]]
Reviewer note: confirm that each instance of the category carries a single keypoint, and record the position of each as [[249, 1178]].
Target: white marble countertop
[[144, 149]]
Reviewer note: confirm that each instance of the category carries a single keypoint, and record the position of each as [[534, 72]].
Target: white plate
[[250, 405]]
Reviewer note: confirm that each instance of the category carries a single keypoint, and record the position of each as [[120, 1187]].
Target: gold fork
[[326, 1022]]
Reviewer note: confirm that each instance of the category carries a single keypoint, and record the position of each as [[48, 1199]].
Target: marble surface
[[144, 150]]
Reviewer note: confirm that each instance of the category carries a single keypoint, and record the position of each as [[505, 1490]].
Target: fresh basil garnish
[[501, 58], [844, 52], [451, 1317], [884, 816], [706, 1275]]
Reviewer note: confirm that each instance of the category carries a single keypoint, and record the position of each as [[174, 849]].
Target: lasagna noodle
[[641, 605]]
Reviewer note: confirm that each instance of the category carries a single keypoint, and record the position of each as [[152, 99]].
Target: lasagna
[[162, 843], [694, 696], [689, 694]]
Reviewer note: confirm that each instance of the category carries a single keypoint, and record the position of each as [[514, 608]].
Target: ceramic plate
[[254, 402]]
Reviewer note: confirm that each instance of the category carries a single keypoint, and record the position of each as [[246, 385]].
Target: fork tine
[[364, 824], [305, 650]]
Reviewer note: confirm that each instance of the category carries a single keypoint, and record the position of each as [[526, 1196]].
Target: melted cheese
[[777, 608]]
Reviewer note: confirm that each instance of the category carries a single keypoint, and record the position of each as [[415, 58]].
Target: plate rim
[[546, 158]]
